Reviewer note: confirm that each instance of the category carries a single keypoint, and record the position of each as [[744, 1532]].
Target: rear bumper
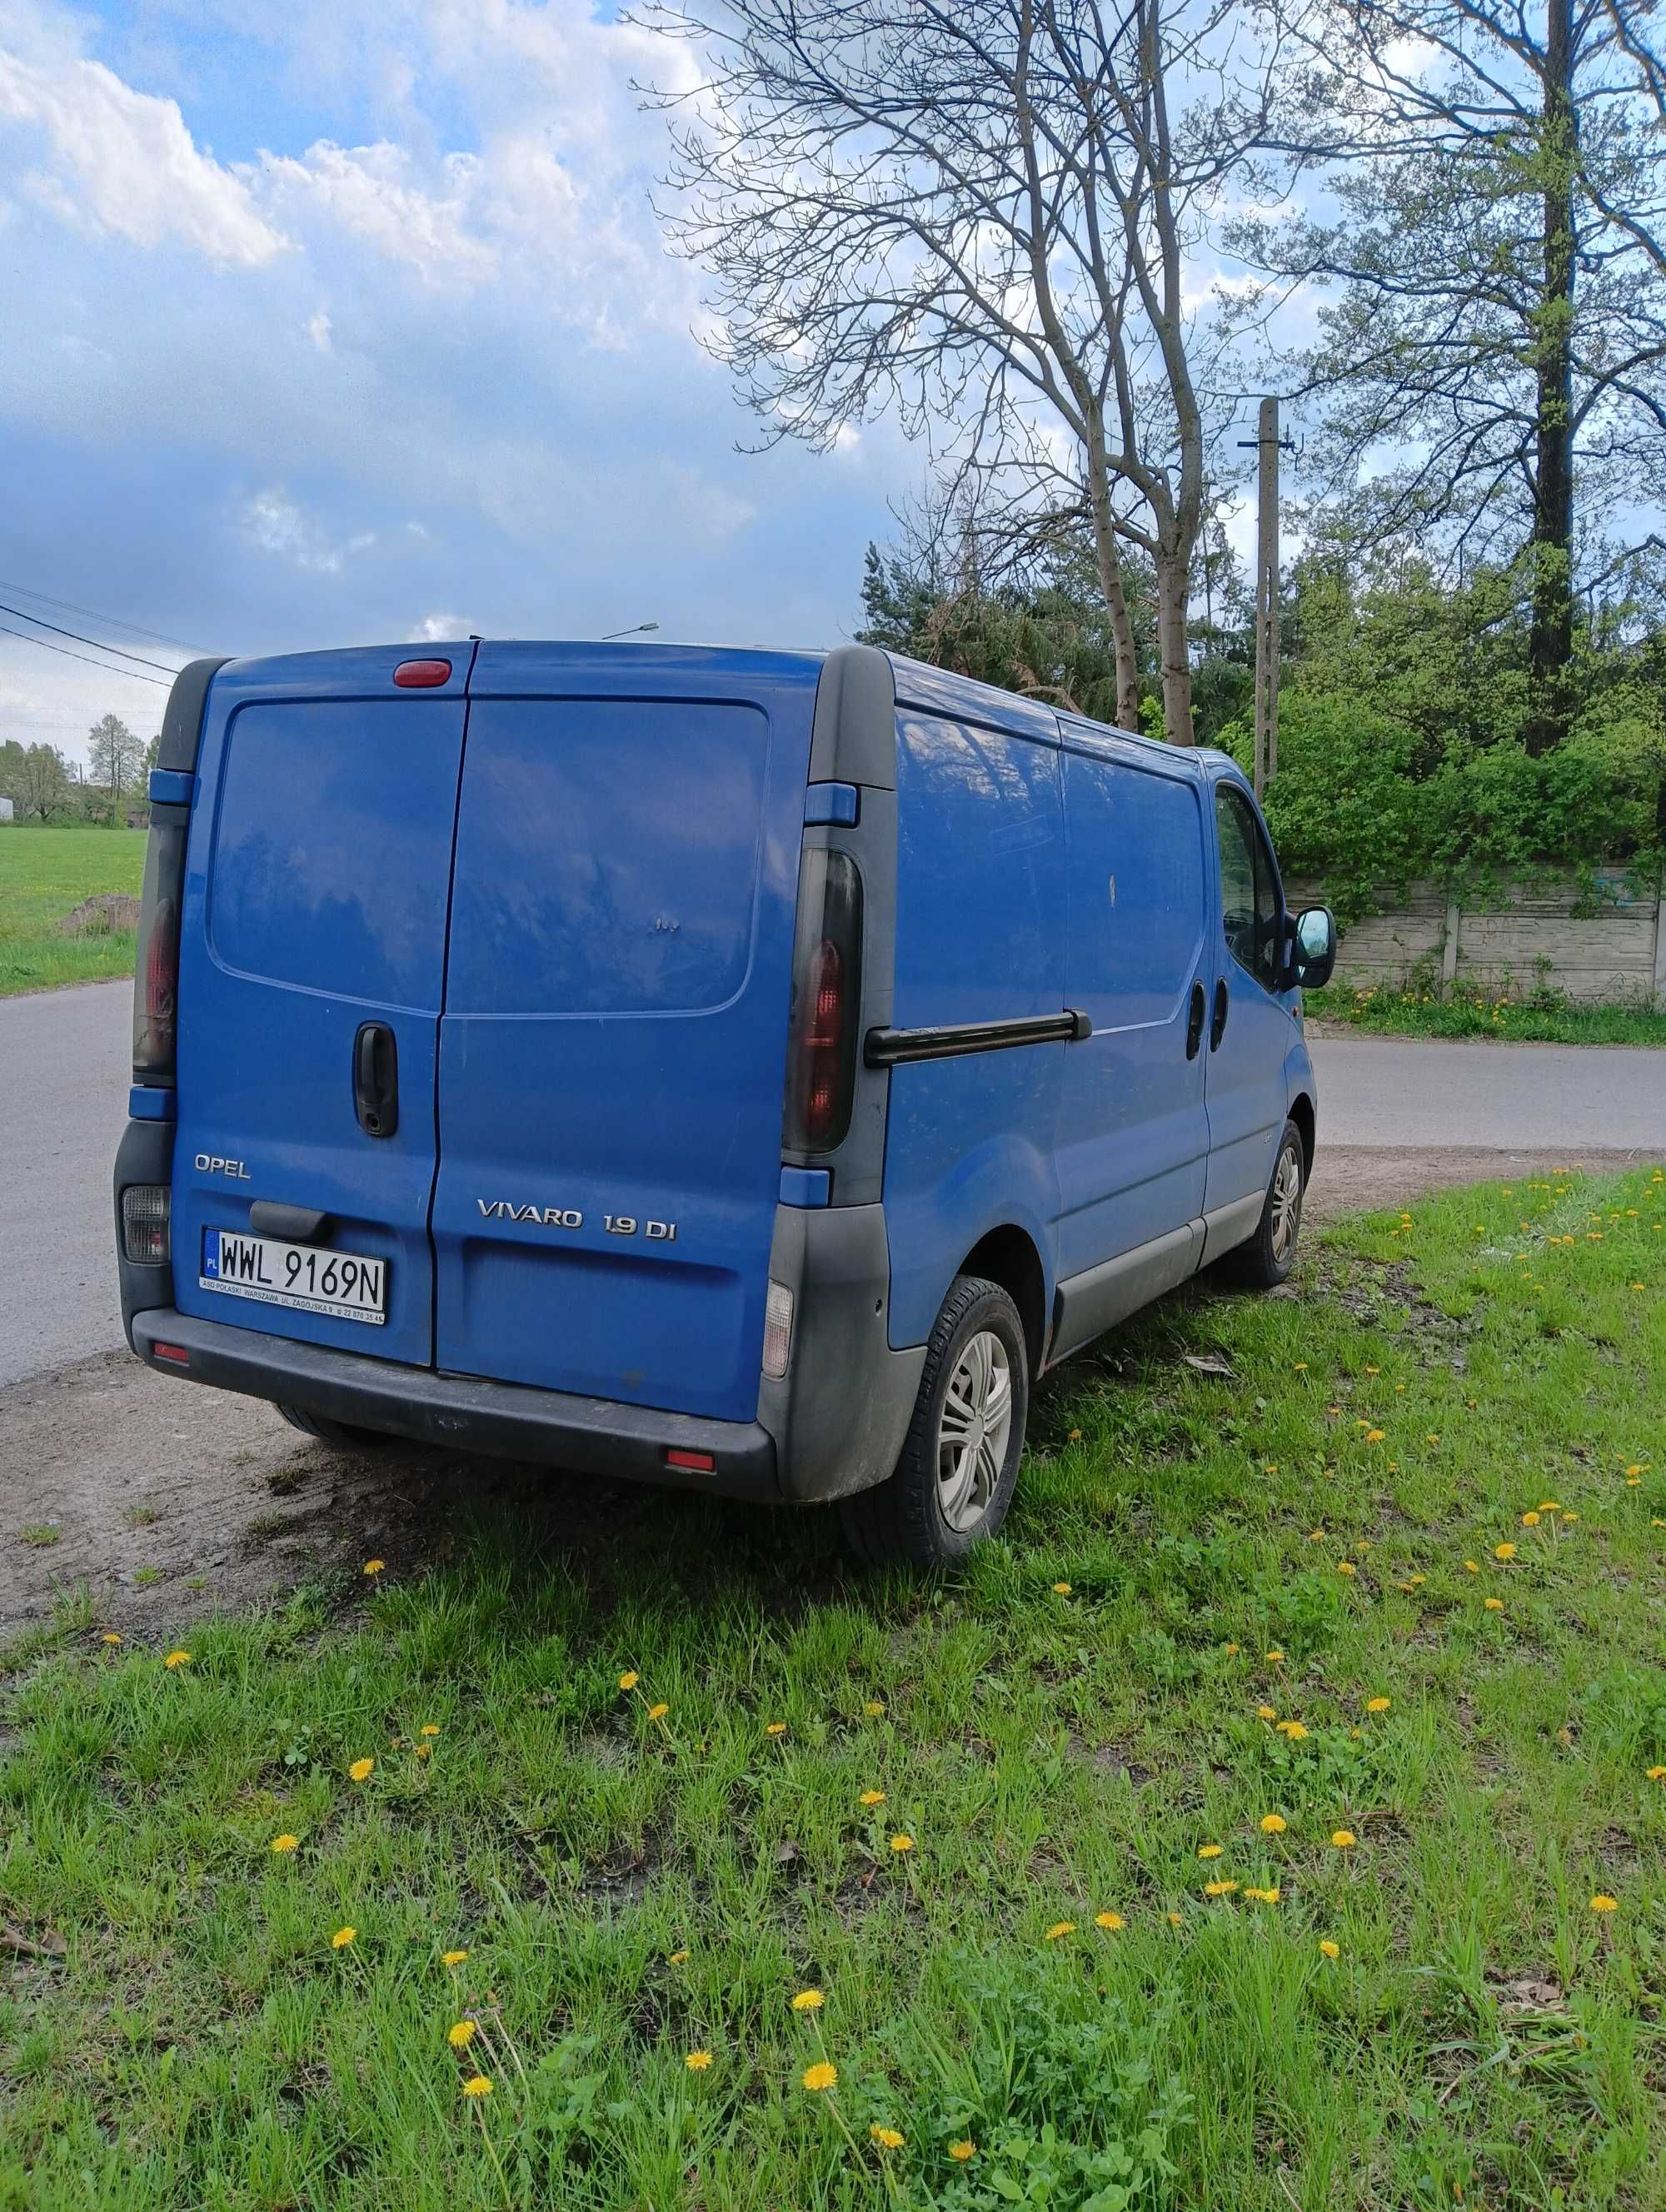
[[591, 1435]]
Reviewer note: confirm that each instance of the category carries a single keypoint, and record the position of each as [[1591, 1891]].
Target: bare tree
[[979, 215], [1498, 339]]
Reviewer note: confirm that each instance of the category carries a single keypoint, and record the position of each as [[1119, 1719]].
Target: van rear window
[[333, 846], [607, 856]]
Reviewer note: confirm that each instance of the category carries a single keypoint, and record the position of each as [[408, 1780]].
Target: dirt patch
[[165, 1501]]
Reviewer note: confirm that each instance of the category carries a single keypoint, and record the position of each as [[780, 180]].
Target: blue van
[[745, 1069]]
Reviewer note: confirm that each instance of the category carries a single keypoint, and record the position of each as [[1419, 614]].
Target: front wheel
[[1264, 1263], [954, 1481]]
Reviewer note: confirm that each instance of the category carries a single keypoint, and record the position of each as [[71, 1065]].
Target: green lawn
[[1458, 1013], [1333, 1682], [45, 872]]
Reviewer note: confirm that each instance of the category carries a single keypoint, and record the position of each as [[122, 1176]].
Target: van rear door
[[312, 962], [613, 1053]]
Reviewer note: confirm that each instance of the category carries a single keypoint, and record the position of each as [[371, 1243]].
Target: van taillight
[[156, 976], [826, 991]]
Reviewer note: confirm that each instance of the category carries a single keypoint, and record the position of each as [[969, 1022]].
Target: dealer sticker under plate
[[343, 1284]]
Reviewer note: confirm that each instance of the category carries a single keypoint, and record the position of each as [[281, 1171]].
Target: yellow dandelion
[[109, 1636], [1529, 1520], [1061, 1589], [1377, 1705], [776, 1728], [460, 2035], [887, 2138], [1472, 1566], [1292, 1731], [374, 1566], [1273, 1823], [428, 1727], [1375, 1435], [453, 1958], [284, 1843], [628, 1679], [1656, 1773], [658, 1712], [1434, 1436], [962, 2150], [476, 2086], [1111, 1920], [1300, 1367], [1492, 1604], [177, 1659], [677, 1959], [1504, 1551], [698, 2061], [822, 2076], [1219, 1888], [1602, 1903], [1275, 1658], [872, 1797], [1058, 1930], [1413, 1582], [425, 1751], [1346, 1567], [1566, 1518], [1266, 1713], [1270, 1468], [1210, 1851], [1330, 1950], [1175, 1919], [902, 1843], [873, 1709], [809, 2001], [344, 1939], [1231, 1651], [1343, 1839]]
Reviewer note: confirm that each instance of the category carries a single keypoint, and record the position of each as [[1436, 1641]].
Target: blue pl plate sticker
[[211, 1252]]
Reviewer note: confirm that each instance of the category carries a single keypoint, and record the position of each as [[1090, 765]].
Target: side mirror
[[1313, 947]]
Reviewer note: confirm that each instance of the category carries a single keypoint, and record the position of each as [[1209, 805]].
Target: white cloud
[[277, 526], [372, 193], [438, 629], [124, 164], [318, 328]]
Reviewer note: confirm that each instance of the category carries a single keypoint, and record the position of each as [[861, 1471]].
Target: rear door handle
[[1195, 1021], [376, 1080], [1217, 1027]]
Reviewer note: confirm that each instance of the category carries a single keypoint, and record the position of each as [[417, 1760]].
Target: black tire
[[903, 1518], [1266, 1261], [342, 1435]]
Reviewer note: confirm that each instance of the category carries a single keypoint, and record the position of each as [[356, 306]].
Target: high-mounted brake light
[[420, 675], [826, 988]]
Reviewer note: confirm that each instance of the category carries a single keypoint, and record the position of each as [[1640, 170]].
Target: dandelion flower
[[822, 2076], [1504, 1551], [628, 1679], [1375, 1435], [1059, 1928], [476, 2086], [362, 1768], [962, 2150], [1219, 1888], [460, 2035], [1292, 1731], [344, 1939], [1266, 1713], [1343, 1839], [809, 2001], [1231, 1651], [1566, 1518], [1657, 1773], [1413, 1583], [1434, 1436], [887, 2138], [1529, 1520], [284, 1843], [1472, 1566], [1175, 1919], [1210, 1851], [1301, 1367], [1274, 1658], [375, 1566], [1111, 1920], [873, 1709], [677, 1959], [1061, 1589], [109, 1636], [428, 1727], [1262, 1896], [425, 1751], [1377, 1705], [658, 1712], [177, 1659], [776, 1728], [1492, 1604], [1602, 1903], [1346, 1567], [872, 1797], [1331, 1950], [698, 2061], [902, 1843], [1273, 1823], [453, 1958]]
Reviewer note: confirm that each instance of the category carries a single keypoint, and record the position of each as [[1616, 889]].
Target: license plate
[[309, 1277]]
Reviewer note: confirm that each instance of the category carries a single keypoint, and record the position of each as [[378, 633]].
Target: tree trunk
[[1110, 583], [1173, 580], [1550, 642]]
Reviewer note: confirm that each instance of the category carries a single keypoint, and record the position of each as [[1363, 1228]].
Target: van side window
[[1249, 887]]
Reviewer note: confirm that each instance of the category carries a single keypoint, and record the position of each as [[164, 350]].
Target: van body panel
[[612, 1051], [979, 937], [1133, 1133], [314, 902]]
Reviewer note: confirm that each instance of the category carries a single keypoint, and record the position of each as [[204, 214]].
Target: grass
[[43, 874], [1540, 1017], [626, 1877]]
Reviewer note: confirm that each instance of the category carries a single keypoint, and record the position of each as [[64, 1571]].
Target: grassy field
[[45, 872], [1480, 1014], [1275, 1817]]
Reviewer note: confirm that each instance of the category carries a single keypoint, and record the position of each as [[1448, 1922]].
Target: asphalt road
[[64, 1073]]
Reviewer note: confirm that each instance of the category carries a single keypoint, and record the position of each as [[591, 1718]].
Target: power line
[[129, 675], [120, 651], [112, 622]]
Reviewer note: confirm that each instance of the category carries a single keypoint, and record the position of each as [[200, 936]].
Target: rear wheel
[[342, 1435], [954, 1481], [1265, 1261]]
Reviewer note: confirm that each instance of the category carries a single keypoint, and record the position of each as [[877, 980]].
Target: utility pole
[[1266, 597]]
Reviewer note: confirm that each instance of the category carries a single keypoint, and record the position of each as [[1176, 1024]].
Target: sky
[[340, 321]]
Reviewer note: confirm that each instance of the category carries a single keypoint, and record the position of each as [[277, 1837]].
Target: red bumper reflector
[[697, 1463], [419, 675], [174, 1353]]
